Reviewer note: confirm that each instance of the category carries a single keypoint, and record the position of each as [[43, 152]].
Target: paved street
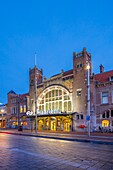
[[28, 153]]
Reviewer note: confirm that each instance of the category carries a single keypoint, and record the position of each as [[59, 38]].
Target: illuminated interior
[[55, 123], [105, 123], [55, 98]]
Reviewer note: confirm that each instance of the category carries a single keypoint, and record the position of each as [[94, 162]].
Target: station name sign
[[40, 112], [48, 112]]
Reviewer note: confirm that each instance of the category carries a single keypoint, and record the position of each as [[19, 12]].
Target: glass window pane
[[65, 106], [69, 106], [60, 106]]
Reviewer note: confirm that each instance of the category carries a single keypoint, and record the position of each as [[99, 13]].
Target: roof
[[64, 73], [12, 92], [103, 77], [23, 95], [68, 72]]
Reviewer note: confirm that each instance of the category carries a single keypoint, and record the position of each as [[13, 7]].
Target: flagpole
[[35, 96]]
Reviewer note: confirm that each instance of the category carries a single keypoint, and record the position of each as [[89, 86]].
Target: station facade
[[61, 101], [62, 98]]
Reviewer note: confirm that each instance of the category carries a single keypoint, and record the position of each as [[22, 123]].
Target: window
[[82, 117], [111, 113], [55, 99], [31, 101], [77, 65], [79, 92], [111, 78], [24, 108], [20, 109], [77, 116], [104, 97], [107, 114], [103, 116], [112, 95], [80, 65], [13, 110], [13, 101], [105, 123]]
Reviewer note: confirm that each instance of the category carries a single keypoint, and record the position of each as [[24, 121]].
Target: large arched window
[[55, 98]]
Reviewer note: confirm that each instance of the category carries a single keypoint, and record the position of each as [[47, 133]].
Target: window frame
[[104, 98]]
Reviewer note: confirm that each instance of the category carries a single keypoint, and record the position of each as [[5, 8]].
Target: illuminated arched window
[[105, 123], [55, 98]]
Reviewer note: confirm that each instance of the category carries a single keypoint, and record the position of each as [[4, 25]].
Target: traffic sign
[[87, 118]]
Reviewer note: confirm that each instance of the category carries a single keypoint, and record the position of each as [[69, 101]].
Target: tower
[[80, 71], [35, 78]]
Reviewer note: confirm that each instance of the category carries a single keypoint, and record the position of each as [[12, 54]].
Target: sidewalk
[[99, 138]]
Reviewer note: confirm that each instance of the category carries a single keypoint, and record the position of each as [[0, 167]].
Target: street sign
[[87, 118]]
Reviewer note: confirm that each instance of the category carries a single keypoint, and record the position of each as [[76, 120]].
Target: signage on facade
[[40, 112], [30, 113]]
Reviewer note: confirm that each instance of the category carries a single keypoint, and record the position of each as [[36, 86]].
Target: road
[[32, 153]]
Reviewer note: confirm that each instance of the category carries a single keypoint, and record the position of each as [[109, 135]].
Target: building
[[17, 107], [62, 98], [61, 101], [2, 116], [104, 99]]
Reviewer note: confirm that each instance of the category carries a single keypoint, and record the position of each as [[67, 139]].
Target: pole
[[2, 111], [2, 120], [88, 96], [18, 112], [35, 100]]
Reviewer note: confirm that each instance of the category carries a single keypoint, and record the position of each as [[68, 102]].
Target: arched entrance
[[67, 124], [53, 123], [40, 124]]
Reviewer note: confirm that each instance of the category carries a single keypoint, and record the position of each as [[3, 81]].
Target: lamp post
[[2, 116], [18, 112], [88, 97]]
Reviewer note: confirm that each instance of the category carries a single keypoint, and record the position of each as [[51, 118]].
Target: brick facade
[[67, 93]]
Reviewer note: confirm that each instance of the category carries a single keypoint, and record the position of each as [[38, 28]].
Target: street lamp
[[88, 97], [2, 116]]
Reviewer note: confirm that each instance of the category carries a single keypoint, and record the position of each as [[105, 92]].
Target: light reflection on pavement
[[21, 152]]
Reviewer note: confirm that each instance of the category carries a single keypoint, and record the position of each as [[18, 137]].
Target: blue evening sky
[[54, 29]]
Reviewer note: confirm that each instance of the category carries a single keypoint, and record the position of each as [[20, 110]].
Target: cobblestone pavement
[[31, 153]]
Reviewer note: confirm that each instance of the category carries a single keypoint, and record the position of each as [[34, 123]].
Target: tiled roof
[[24, 95], [103, 77], [68, 72], [65, 73]]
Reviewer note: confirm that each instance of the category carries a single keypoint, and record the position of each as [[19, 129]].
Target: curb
[[62, 138]]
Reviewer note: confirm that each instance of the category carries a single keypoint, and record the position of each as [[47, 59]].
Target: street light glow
[[88, 66]]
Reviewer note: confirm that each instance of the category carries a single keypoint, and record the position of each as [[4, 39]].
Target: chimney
[[101, 68]]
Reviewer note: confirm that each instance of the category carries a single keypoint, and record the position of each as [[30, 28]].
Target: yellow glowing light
[[88, 67], [105, 123], [2, 110]]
